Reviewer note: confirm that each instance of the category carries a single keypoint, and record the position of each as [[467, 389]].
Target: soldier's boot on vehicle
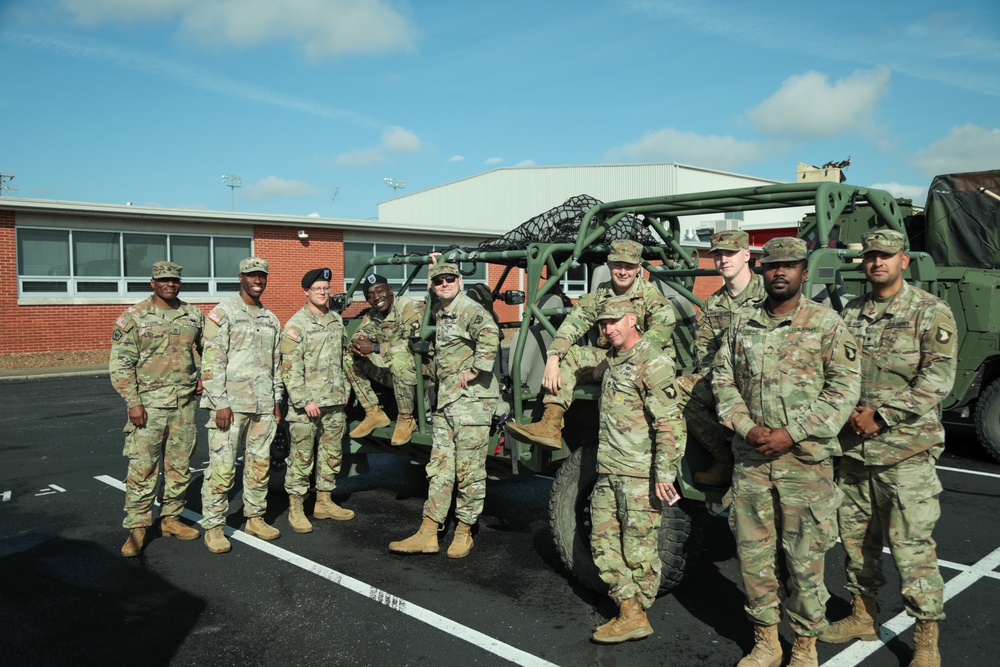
[[405, 426], [461, 543], [135, 543], [171, 525], [547, 432], [720, 473], [804, 652], [424, 541], [766, 648], [327, 509], [925, 645], [374, 418], [297, 516], [631, 623], [861, 624], [216, 541], [257, 527]]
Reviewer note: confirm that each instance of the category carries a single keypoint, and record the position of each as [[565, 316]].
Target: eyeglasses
[[440, 280], [319, 290]]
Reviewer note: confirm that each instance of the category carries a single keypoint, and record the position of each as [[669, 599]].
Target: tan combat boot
[[546, 433], [861, 624], [631, 623], [425, 541], [374, 418], [257, 527], [405, 426], [766, 648], [327, 509], [135, 543], [297, 517], [925, 645], [804, 652], [461, 544], [720, 473], [216, 541], [171, 525]]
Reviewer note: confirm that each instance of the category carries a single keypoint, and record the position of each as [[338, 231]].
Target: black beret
[[313, 276], [371, 280]]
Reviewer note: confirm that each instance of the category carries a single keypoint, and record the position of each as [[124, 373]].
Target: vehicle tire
[[569, 518], [988, 419]]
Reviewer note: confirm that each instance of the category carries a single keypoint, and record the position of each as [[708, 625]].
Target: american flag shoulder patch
[[121, 322], [214, 316], [293, 334]]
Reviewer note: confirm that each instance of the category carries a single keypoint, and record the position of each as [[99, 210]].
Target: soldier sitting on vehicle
[[381, 353], [569, 363]]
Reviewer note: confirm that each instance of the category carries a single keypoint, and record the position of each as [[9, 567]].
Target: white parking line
[[970, 472], [436, 621]]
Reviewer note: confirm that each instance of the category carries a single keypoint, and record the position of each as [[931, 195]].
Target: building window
[[74, 262], [357, 254]]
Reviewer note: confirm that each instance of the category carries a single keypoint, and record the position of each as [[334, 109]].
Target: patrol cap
[[166, 270], [253, 264], [371, 280], [443, 270], [624, 250], [313, 276], [883, 240], [784, 249], [616, 308], [730, 240]]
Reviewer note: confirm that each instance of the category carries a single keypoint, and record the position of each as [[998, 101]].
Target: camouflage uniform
[[241, 370], [152, 365], [890, 482], [466, 338], [314, 354], [638, 405], [797, 371], [392, 365]]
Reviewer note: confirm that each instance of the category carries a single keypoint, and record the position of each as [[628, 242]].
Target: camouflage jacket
[[314, 350], [799, 372], [465, 337], [241, 367], [152, 354], [654, 317], [716, 315], [638, 407], [908, 358], [391, 331]]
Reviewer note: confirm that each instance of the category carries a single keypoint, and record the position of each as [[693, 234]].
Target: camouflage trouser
[[797, 500], [461, 432], [625, 519], [697, 404], [577, 366], [326, 433], [170, 433], [897, 504], [400, 375], [256, 432]]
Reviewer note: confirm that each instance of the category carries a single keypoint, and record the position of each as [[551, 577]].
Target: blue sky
[[313, 103]]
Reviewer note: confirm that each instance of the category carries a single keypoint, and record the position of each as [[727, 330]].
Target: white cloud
[[272, 186], [966, 148], [396, 139], [314, 214], [915, 192], [456, 158], [807, 105], [525, 163], [670, 145], [364, 157], [318, 27], [493, 160]]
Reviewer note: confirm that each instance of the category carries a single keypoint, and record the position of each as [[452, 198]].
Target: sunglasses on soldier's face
[[440, 280]]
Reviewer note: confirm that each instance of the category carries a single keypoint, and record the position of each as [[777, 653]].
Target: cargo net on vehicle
[[562, 225]]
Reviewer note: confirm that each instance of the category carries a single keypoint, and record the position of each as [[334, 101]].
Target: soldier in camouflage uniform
[[741, 287], [313, 358], [466, 344], [786, 380], [153, 368], [241, 373], [569, 363], [382, 353], [891, 444], [640, 444]]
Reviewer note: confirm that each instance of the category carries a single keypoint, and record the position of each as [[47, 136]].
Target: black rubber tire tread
[[569, 506], [988, 419]]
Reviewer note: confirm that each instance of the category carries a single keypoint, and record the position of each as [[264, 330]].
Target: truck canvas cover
[[963, 221]]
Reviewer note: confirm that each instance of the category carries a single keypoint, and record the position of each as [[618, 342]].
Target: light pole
[[5, 185], [232, 182], [395, 184]]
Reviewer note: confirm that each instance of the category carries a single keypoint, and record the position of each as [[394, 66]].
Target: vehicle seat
[[533, 359]]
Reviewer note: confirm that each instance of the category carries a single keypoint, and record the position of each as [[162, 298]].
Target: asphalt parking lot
[[338, 597]]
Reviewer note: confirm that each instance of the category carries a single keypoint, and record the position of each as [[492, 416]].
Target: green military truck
[[573, 240]]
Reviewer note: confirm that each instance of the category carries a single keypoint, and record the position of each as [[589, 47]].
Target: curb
[[52, 372]]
